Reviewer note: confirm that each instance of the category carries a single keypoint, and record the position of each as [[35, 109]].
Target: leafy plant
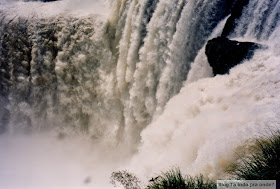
[[174, 179], [263, 161]]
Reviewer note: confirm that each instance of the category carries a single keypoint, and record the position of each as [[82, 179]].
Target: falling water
[[137, 81]]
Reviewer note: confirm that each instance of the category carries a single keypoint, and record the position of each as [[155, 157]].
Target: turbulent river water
[[88, 88]]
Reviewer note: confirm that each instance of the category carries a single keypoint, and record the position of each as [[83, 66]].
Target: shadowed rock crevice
[[236, 13]]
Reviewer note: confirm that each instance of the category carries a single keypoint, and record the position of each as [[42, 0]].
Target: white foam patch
[[63, 7]]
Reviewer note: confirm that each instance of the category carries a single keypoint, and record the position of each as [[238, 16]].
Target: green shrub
[[173, 179], [126, 179], [263, 161]]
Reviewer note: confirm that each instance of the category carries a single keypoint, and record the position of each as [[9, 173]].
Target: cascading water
[[138, 82]]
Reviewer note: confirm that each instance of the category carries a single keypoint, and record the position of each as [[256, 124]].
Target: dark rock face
[[236, 12], [4, 119], [41, 0], [223, 54]]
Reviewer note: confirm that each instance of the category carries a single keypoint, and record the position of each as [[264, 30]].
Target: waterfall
[[107, 78], [137, 79]]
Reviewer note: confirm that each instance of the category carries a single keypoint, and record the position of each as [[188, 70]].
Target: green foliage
[[173, 179], [263, 162], [126, 179]]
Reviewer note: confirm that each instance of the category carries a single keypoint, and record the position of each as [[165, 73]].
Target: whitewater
[[92, 87]]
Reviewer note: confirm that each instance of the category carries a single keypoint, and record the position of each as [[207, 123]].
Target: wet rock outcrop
[[223, 54]]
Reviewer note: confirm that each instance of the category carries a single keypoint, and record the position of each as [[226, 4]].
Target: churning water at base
[[132, 91]]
